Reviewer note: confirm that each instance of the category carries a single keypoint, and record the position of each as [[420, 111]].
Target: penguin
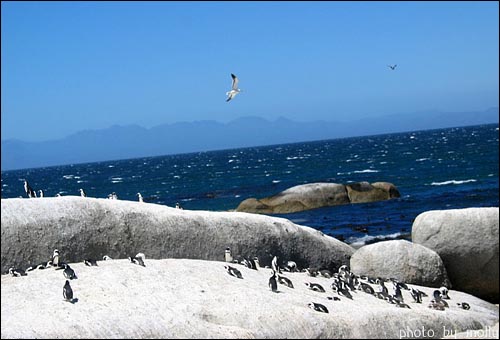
[[343, 269], [437, 302], [463, 305], [257, 263], [90, 262], [55, 258], [274, 264], [233, 272], [82, 193], [317, 307], [141, 199], [68, 292], [272, 282], [69, 273], [325, 273], [444, 293], [291, 266], [315, 286], [381, 287], [252, 264], [343, 291], [16, 272], [42, 265], [365, 287], [137, 260], [311, 272], [397, 292], [285, 281], [106, 258], [41, 193], [416, 295], [228, 257], [29, 190]]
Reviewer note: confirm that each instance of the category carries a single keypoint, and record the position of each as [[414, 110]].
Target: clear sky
[[71, 66]]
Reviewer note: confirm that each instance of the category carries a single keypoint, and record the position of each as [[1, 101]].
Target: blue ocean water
[[433, 170]]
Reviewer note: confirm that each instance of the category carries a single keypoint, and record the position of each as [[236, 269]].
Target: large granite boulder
[[467, 241], [317, 195], [90, 227], [195, 299], [402, 260]]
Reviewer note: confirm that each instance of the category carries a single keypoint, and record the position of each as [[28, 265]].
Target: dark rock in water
[[317, 195]]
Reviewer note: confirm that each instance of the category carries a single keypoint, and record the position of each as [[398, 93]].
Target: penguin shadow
[[73, 301]]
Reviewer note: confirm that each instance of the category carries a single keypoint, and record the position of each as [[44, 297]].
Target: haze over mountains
[[132, 141]]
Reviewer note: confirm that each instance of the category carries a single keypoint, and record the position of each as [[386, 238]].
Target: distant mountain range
[[123, 142]]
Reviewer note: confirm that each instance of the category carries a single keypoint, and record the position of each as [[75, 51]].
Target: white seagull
[[234, 89]]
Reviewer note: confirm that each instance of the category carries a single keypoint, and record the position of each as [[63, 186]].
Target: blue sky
[[70, 66]]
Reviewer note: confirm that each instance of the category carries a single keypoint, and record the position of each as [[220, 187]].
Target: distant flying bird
[[392, 66], [234, 89]]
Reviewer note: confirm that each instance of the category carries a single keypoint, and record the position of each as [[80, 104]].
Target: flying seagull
[[234, 89], [392, 66]]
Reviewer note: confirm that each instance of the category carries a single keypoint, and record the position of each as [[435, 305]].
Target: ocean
[[433, 170]]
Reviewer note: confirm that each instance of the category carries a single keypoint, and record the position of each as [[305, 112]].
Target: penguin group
[[344, 283], [68, 272]]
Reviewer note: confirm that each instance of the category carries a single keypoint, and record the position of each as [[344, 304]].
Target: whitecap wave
[[454, 182], [364, 171], [361, 241]]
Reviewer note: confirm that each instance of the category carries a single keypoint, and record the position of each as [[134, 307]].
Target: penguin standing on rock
[[68, 293], [272, 282], [69, 273]]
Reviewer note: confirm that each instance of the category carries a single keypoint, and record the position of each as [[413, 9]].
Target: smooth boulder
[[90, 228], [402, 260], [467, 241]]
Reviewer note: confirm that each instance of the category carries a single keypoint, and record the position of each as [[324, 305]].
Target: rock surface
[[89, 227], [402, 260], [182, 298], [317, 195], [467, 242]]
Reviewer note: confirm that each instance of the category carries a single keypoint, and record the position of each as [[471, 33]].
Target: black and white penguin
[[141, 199], [40, 192], [365, 287], [82, 193], [42, 265], [55, 258], [16, 272], [256, 261], [342, 290], [69, 273], [417, 295], [397, 292], [444, 293], [272, 282], [381, 287], [106, 258], [29, 190], [325, 273], [291, 266], [233, 272], [463, 305], [274, 264], [138, 259], [317, 307], [437, 302], [285, 281], [90, 262], [311, 272], [228, 257], [68, 292], [315, 286]]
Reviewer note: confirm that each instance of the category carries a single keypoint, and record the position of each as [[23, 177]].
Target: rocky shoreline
[[184, 290]]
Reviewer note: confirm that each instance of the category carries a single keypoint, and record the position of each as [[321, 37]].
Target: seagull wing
[[235, 82]]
